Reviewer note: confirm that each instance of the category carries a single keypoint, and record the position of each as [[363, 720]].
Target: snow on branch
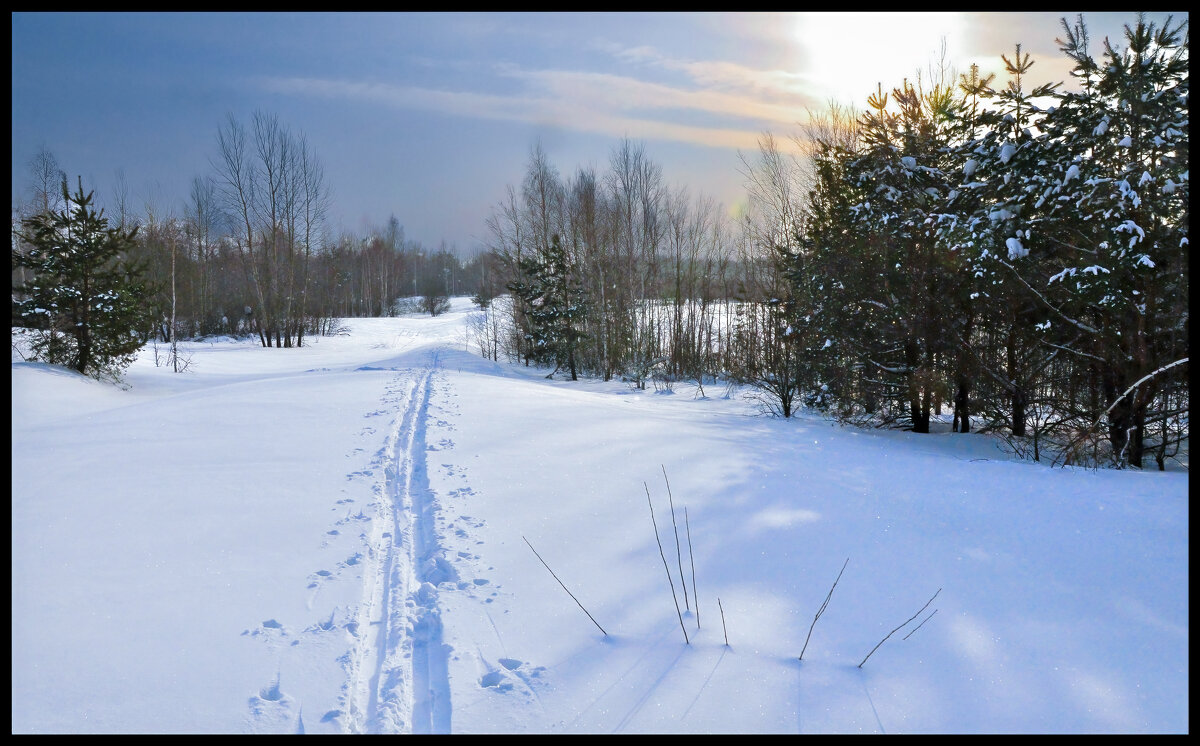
[[1051, 306], [1137, 383]]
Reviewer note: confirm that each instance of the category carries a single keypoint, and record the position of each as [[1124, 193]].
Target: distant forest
[[1015, 257]]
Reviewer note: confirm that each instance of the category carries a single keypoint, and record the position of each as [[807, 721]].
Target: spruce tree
[[554, 298], [82, 299]]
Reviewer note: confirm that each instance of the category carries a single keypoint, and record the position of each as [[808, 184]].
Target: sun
[[845, 55]]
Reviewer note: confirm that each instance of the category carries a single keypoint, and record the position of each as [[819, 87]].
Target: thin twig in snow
[[665, 565], [821, 610], [723, 629], [564, 587], [678, 554], [692, 559], [922, 624], [889, 634]]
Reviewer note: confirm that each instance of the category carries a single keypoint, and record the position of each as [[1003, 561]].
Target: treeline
[[1018, 255], [251, 252], [612, 274]]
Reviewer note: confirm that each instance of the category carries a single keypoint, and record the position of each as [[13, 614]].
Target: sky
[[429, 116]]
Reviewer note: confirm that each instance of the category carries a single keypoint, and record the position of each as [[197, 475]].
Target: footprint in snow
[[268, 627], [274, 711], [326, 625], [497, 680]]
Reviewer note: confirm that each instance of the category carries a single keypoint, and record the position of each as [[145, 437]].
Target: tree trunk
[[962, 414], [1018, 411]]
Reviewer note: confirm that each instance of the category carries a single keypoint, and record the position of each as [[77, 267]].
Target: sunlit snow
[[341, 538]]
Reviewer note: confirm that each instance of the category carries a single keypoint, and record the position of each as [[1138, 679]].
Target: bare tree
[[120, 199], [637, 192], [46, 178], [272, 184]]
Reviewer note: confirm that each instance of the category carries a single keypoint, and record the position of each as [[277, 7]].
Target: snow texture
[[333, 539]]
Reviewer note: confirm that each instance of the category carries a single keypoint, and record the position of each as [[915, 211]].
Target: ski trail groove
[[399, 680]]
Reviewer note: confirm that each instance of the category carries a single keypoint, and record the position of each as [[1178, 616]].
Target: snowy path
[[399, 677]]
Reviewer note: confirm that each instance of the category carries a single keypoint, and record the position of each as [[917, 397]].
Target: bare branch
[[821, 610], [678, 553], [723, 628], [922, 624], [665, 565], [1051, 306], [564, 587], [889, 634], [692, 559]]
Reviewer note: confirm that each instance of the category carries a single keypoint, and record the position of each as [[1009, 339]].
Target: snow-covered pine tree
[[826, 255], [82, 298], [1107, 213], [988, 222], [554, 298], [900, 183]]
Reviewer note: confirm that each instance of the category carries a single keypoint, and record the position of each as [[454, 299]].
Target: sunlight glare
[[847, 54]]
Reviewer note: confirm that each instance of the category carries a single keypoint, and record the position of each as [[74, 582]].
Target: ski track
[[399, 681]]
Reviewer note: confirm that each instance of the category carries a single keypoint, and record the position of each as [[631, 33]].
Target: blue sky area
[[429, 116]]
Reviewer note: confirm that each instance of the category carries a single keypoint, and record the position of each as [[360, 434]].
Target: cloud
[[583, 101], [619, 93], [791, 90]]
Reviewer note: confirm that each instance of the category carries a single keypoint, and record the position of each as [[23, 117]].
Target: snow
[[337, 538], [1135, 231], [1015, 249]]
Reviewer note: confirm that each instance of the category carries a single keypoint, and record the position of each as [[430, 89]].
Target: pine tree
[[83, 299], [993, 219], [1128, 137], [1109, 220], [554, 298], [900, 184]]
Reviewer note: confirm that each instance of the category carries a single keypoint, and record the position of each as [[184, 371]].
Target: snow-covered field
[[340, 538]]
